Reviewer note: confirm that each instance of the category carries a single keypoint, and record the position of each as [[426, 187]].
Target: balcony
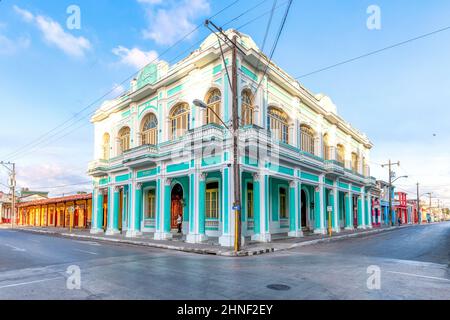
[[98, 168], [141, 155], [334, 167]]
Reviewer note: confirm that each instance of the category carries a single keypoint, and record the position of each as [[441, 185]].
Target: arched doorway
[[176, 206], [304, 210]]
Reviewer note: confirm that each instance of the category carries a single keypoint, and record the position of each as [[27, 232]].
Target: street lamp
[[199, 103], [427, 194], [390, 193]]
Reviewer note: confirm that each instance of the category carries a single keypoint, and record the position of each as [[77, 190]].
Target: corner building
[[157, 155]]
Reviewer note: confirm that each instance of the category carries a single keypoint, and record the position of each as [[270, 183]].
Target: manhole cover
[[278, 287]]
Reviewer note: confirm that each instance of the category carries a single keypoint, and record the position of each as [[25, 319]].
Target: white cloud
[[173, 20], [10, 46], [426, 163], [48, 176], [55, 35], [150, 1], [134, 57], [26, 15]]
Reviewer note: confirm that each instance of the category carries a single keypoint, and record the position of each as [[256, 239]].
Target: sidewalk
[[279, 242]]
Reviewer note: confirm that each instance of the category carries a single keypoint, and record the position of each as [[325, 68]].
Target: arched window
[[307, 139], [326, 147], [213, 100], [106, 146], [340, 154], [179, 120], [248, 109], [149, 130], [365, 166], [355, 162], [277, 122], [124, 139]]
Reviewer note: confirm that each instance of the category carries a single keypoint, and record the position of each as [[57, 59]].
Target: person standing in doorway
[[179, 222]]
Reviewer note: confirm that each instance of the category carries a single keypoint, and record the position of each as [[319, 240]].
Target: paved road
[[414, 264]]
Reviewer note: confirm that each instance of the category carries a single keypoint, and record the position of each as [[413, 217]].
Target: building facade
[[5, 208], [401, 207], [63, 212], [158, 156]]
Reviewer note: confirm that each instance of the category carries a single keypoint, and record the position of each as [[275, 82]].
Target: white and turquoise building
[[157, 154]]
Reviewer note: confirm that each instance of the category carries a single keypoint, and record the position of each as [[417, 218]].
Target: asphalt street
[[413, 263]]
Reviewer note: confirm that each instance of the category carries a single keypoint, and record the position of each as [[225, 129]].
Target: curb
[[243, 253]]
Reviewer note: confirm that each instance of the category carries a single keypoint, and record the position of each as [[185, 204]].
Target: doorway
[[105, 213], [119, 226], [304, 210], [176, 207], [355, 211]]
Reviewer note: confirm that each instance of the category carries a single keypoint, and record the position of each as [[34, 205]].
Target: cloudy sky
[[53, 77]]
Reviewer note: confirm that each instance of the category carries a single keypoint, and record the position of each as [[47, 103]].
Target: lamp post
[[390, 193], [418, 201]]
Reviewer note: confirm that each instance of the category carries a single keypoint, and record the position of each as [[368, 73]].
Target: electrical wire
[[43, 137], [373, 53], [21, 154]]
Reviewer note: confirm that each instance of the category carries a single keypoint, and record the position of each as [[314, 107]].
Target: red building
[[412, 207], [401, 207]]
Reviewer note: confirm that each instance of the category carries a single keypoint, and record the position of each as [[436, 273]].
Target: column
[[360, 212], [163, 191], [114, 216], [349, 211], [319, 209], [299, 206], [336, 222], [135, 205], [369, 211], [138, 208], [201, 205], [261, 205], [226, 239], [294, 230], [97, 216], [331, 203], [197, 205]]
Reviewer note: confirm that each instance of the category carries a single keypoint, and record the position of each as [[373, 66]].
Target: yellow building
[[56, 212]]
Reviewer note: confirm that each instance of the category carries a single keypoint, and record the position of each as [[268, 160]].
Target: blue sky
[[48, 73]]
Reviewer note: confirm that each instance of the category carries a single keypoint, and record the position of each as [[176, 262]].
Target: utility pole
[[419, 216], [430, 206], [390, 164], [11, 167], [236, 167], [232, 43]]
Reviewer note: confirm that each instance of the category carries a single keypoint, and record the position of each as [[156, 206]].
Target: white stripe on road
[[27, 283], [15, 248], [93, 253], [37, 241], [419, 276], [91, 243]]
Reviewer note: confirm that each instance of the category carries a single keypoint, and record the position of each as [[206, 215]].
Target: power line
[[64, 186], [373, 52], [275, 44], [42, 137], [21, 154]]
